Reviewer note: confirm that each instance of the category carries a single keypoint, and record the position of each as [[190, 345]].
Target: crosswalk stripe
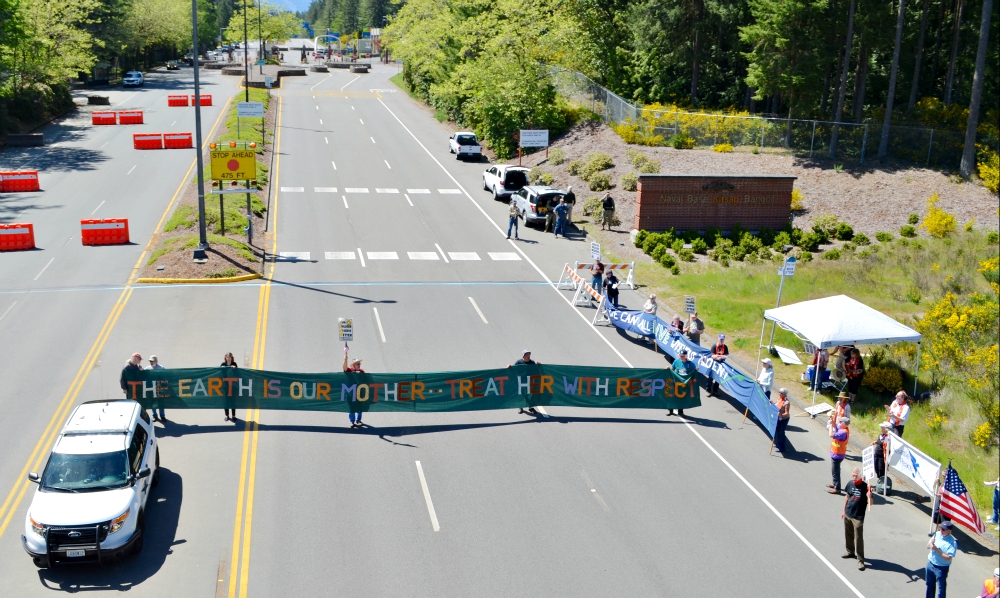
[[294, 256], [415, 191], [500, 256], [459, 256], [422, 255], [387, 191], [326, 189], [449, 191], [356, 190], [382, 255], [292, 189], [340, 255]]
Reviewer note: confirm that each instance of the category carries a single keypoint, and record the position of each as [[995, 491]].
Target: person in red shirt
[[355, 368], [719, 353], [854, 367]]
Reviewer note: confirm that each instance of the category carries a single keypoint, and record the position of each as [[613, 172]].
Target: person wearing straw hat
[[839, 432], [355, 368], [843, 406]]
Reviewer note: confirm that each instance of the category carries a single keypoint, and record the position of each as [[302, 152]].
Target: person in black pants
[[611, 288], [230, 362]]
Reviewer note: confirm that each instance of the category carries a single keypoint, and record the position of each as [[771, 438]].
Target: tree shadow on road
[[162, 516]]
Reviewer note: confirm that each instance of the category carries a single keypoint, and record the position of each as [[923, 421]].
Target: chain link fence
[[855, 141]]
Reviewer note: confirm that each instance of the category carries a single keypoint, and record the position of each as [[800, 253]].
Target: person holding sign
[[597, 275], [685, 367], [611, 286], [784, 411], [858, 499], [355, 368], [840, 432]]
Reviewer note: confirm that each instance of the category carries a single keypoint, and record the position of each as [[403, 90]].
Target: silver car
[[534, 202]]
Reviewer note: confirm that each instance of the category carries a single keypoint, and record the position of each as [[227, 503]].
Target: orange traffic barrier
[[206, 100], [109, 231], [130, 117], [12, 182], [178, 140], [102, 117], [14, 237], [144, 141], [177, 100]]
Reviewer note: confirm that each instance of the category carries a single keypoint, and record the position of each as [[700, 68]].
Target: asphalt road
[[585, 502]]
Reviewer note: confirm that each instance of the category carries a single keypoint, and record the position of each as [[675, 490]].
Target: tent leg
[[759, 346], [816, 377], [916, 372]]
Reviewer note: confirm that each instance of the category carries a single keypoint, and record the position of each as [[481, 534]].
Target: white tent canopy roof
[[840, 320]]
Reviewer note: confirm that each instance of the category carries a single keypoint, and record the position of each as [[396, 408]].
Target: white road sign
[[534, 137], [868, 463], [595, 251], [788, 269], [268, 81], [346, 328], [689, 304], [250, 109]]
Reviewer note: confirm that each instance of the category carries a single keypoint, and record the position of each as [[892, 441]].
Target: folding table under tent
[[839, 320]]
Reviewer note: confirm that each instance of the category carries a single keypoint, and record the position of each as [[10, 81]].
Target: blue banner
[[736, 384]]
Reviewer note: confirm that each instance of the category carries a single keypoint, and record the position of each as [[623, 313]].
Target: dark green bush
[[844, 232], [640, 237], [780, 240], [658, 252], [993, 237], [699, 245], [766, 236], [686, 254], [833, 254], [883, 237], [811, 241], [908, 231], [675, 270], [677, 245], [667, 261], [913, 219], [862, 239]]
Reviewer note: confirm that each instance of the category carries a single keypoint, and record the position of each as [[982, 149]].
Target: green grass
[[184, 216], [157, 255], [397, 80], [191, 241], [249, 129]]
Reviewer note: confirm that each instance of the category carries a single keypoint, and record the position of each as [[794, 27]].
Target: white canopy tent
[[840, 320]]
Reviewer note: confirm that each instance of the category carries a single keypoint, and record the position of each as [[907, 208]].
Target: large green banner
[[509, 388]]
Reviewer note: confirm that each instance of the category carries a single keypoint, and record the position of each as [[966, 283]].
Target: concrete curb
[[198, 280]]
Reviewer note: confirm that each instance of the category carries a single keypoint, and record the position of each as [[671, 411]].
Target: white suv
[[133, 79], [91, 498]]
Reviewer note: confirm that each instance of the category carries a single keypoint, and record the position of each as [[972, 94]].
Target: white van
[[90, 503]]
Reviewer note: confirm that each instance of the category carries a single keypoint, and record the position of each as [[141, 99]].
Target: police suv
[[90, 503]]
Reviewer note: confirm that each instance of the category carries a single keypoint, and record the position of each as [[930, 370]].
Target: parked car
[[504, 180], [172, 65], [133, 79], [465, 143], [533, 202], [91, 499]]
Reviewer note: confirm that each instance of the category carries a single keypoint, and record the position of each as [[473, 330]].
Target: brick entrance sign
[[698, 202]]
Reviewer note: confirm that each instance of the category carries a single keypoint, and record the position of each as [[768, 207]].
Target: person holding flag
[[956, 502]]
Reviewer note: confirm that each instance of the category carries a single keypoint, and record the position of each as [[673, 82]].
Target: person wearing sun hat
[[943, 547], [766, 377], [354, 367]]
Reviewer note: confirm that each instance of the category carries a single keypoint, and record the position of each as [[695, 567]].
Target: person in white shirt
[[899, 411], [766, 377], [154, 364], [650, 307]]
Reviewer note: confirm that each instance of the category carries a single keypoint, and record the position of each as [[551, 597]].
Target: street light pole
[[199, 253], [260, 40], [246, 53]]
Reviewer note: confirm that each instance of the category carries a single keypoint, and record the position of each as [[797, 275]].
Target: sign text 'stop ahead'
[[234, 165]]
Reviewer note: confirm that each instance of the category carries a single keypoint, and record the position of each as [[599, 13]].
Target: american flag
[[956, 503]]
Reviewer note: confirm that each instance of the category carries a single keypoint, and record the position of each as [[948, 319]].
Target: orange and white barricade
[[584, 294], [15, 237], [145, 141], [103, 117], [25, 180], [177, 100], [629, 279], [107, 231], [178, 140], [130, 117], [206, 100]]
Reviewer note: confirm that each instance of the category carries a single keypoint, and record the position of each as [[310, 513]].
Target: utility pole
[[199, 253], [246, 53]]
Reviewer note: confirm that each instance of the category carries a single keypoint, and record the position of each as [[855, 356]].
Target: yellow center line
[[239, 570], [44, 444]]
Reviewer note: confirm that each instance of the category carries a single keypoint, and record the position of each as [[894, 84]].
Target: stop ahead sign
[[234, 165]]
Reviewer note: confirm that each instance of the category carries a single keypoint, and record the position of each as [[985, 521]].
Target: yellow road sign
[[234, 165]]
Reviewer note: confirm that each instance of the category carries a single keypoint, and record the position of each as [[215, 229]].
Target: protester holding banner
[[526, 360], [611, 288], [683, 366], [694, 328], [719, 354], [154, 364], [839, 434], [676, 325], [899, 411], [784, 412], [355, 368], [228, 361], [766, 377], [943, 547], [132, 365], [858, 496]]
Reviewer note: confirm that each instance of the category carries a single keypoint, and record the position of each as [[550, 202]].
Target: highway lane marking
[[339, 255], [372, 138], [502, 232], [542, 410], [356, 190], [468, 256], [325, 189], [130, 170], [326, 140], [383, 255], [441, 252], [787, 523], [422, 255], [98, 207], [349, 82], [321, 121], [45, 268], [503, 257], [362, 122], [8, 310], [317, 107], [418, 191], [449, 191], [293, 189], [360, 255], [590, 484], [408, 199], [478, 311], [315, 283], [334, 164], [345, 202], [318, 84], [387, 164], [105, 143], [427, 497], [173, 123], [378, 320], [352, 107], [386, 190], [294, 256], [125, 100]]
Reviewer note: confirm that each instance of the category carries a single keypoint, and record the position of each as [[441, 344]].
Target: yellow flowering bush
[[797, 198], [938, 223], [936, 419], [989, 169], [722, 148], [883, 379]]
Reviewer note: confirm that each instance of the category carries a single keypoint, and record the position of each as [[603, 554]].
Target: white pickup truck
[[465, 143]]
